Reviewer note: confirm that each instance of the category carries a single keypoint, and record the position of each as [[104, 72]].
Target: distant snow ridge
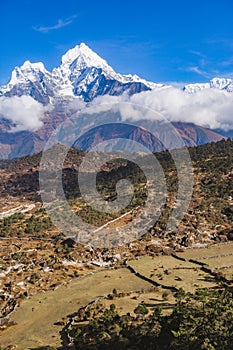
[[215, 83]]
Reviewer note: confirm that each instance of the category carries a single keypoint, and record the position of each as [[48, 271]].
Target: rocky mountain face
[[81, 77]]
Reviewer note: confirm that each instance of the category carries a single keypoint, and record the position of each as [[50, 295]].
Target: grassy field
[[198, 253], [151, 299], [218, 258], [218, 261], [228, 273], [170, 271], [36, 316]]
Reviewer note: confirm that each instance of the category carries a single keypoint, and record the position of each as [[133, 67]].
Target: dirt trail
[[20, 209]]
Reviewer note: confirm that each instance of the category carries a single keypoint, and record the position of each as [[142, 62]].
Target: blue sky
[[163, 41]]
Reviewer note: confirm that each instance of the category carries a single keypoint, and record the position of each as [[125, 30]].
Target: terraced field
[[171, 272], [218, 258], [214, 250], [37, 316]]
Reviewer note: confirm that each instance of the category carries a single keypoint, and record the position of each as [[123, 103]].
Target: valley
[[116, 175], [46, 277]]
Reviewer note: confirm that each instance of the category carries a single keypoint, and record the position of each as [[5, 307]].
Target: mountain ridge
[[215, 83], [82, 76], [83, 73]]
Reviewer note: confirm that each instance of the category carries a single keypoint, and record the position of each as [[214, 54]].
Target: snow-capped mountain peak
[[82, 73], [31, 79], [33, 66], [221, 83], [85, 75], [83, 57], [28, 71]]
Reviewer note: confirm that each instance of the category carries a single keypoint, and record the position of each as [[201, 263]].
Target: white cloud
[[199, 71], [197, 53], [60, 24], [210, 108], [24, 112]]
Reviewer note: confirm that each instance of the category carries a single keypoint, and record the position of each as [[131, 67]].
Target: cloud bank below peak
[[210, 108]]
